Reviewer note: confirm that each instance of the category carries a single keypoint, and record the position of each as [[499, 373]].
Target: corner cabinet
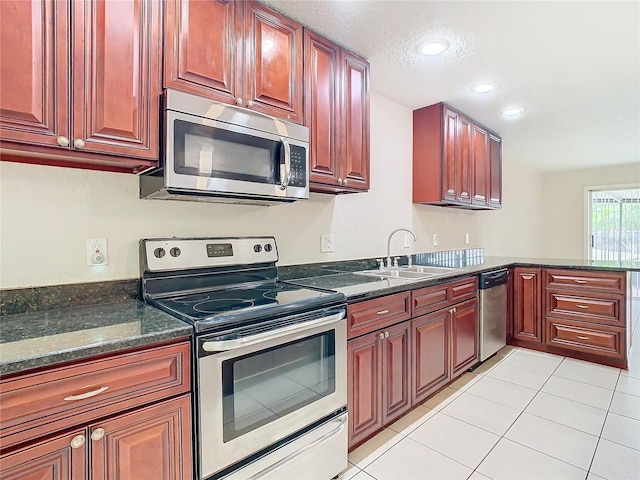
[[235, 52], [337, 114], [456, 161], [81, 83], [127, 416]]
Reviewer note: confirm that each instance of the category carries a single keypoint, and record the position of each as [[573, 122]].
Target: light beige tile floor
[[520, 415]]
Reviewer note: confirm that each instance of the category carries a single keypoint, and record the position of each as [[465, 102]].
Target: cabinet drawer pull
[[382, 312], [579, 281], [62, 141], [582, 306], [97, 434], [82, 396], [381, 336], [582, 337], [386, 334], [77, 441]]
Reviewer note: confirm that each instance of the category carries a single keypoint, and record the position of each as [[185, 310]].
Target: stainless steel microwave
[[216, 152]]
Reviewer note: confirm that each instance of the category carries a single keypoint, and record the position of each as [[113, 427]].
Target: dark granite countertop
[[30, 340], [360, 287]]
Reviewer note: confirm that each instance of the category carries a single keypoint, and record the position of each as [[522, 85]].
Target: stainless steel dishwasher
[[493, 312]]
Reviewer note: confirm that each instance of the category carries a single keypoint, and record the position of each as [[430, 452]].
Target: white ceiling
[[574, 66]]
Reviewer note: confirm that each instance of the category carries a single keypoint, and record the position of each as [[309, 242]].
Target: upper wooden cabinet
[[456, 161], [235, 52], [81, 79], [337, 114]]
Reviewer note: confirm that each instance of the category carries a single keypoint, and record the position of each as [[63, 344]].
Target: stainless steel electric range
[[269, 358]]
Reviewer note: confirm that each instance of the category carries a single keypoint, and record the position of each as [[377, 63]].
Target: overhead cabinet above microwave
[[235, 52], [456, 161]]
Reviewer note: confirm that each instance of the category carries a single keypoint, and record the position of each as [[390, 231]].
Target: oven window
[[264, 386], [205, 151]]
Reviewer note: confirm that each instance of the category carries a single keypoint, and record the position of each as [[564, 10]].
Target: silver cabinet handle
[[224, 345], [582, 306], [249, 104], [77, 441], [382, 312], [340, 181], [62, 141], [579, 281], [581, 337], [97, 434], [239, 101], [79, 143], [82, 396], [386, 334], [285, 169], [381, 336], [344, 182]]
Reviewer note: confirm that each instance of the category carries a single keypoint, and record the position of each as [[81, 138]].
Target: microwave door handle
[[285, 169]]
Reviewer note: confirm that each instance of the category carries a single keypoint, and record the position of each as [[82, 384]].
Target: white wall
[[564, 205], [47, 213]]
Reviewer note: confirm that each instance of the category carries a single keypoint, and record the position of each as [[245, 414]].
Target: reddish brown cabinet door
[[203, 40], [396, 371], [464, 336], [463, 160], [116, 79], [321, 110], [355, 101], [449, 190], [152, 442], [495, 171], [480, 165], [430, 354], [364, 380], [34, 72], [527, 308], [52, 459], [273, 63]]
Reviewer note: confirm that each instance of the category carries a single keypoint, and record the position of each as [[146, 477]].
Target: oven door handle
[[224, 345], [288, 458]]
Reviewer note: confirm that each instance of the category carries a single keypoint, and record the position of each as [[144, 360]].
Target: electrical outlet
[[96, 252], [466, 238], [407, 240], [326, 243], [435, 239]]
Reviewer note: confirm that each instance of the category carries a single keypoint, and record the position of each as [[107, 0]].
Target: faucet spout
[[389, 242]]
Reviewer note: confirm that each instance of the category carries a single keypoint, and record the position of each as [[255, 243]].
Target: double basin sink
[[414, 272]]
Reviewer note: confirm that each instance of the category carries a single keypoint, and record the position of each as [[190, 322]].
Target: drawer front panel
[[429, 299], [585, 337], [66, 396], [365, 317], [463, 289], [611, 282], [596, 309]]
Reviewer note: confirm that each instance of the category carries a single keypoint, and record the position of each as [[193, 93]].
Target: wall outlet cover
[[326, 243], [435, 239], [97, 252]]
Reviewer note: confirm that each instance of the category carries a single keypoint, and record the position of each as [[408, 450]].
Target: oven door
[[258, 390], [210, 156]]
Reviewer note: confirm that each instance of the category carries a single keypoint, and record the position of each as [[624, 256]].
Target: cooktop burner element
[[215, 283]]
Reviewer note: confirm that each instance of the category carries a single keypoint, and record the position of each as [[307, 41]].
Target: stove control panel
[[162, 254]]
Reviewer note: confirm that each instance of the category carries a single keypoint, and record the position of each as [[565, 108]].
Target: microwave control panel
[[298, 166]]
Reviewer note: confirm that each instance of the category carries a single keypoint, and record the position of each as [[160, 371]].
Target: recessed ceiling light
[[484, 87], [434, 47], [512, 111]]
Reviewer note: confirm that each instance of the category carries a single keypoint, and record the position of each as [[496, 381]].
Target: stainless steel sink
[[415, 272]]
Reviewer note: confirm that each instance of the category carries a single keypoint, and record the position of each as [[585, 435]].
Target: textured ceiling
[[574, 66]]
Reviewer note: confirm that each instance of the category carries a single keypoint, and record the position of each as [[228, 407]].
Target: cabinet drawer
[[370, 315], [463, 289], [43, 402], [593, 307], [430, 299], [586, 337], [610, 282]]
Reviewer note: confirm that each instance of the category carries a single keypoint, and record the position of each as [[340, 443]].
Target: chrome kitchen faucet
[[389, 245]]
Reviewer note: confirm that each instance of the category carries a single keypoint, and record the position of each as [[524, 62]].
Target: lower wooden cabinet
[[527, 306], [378, 369], [445, 344]]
